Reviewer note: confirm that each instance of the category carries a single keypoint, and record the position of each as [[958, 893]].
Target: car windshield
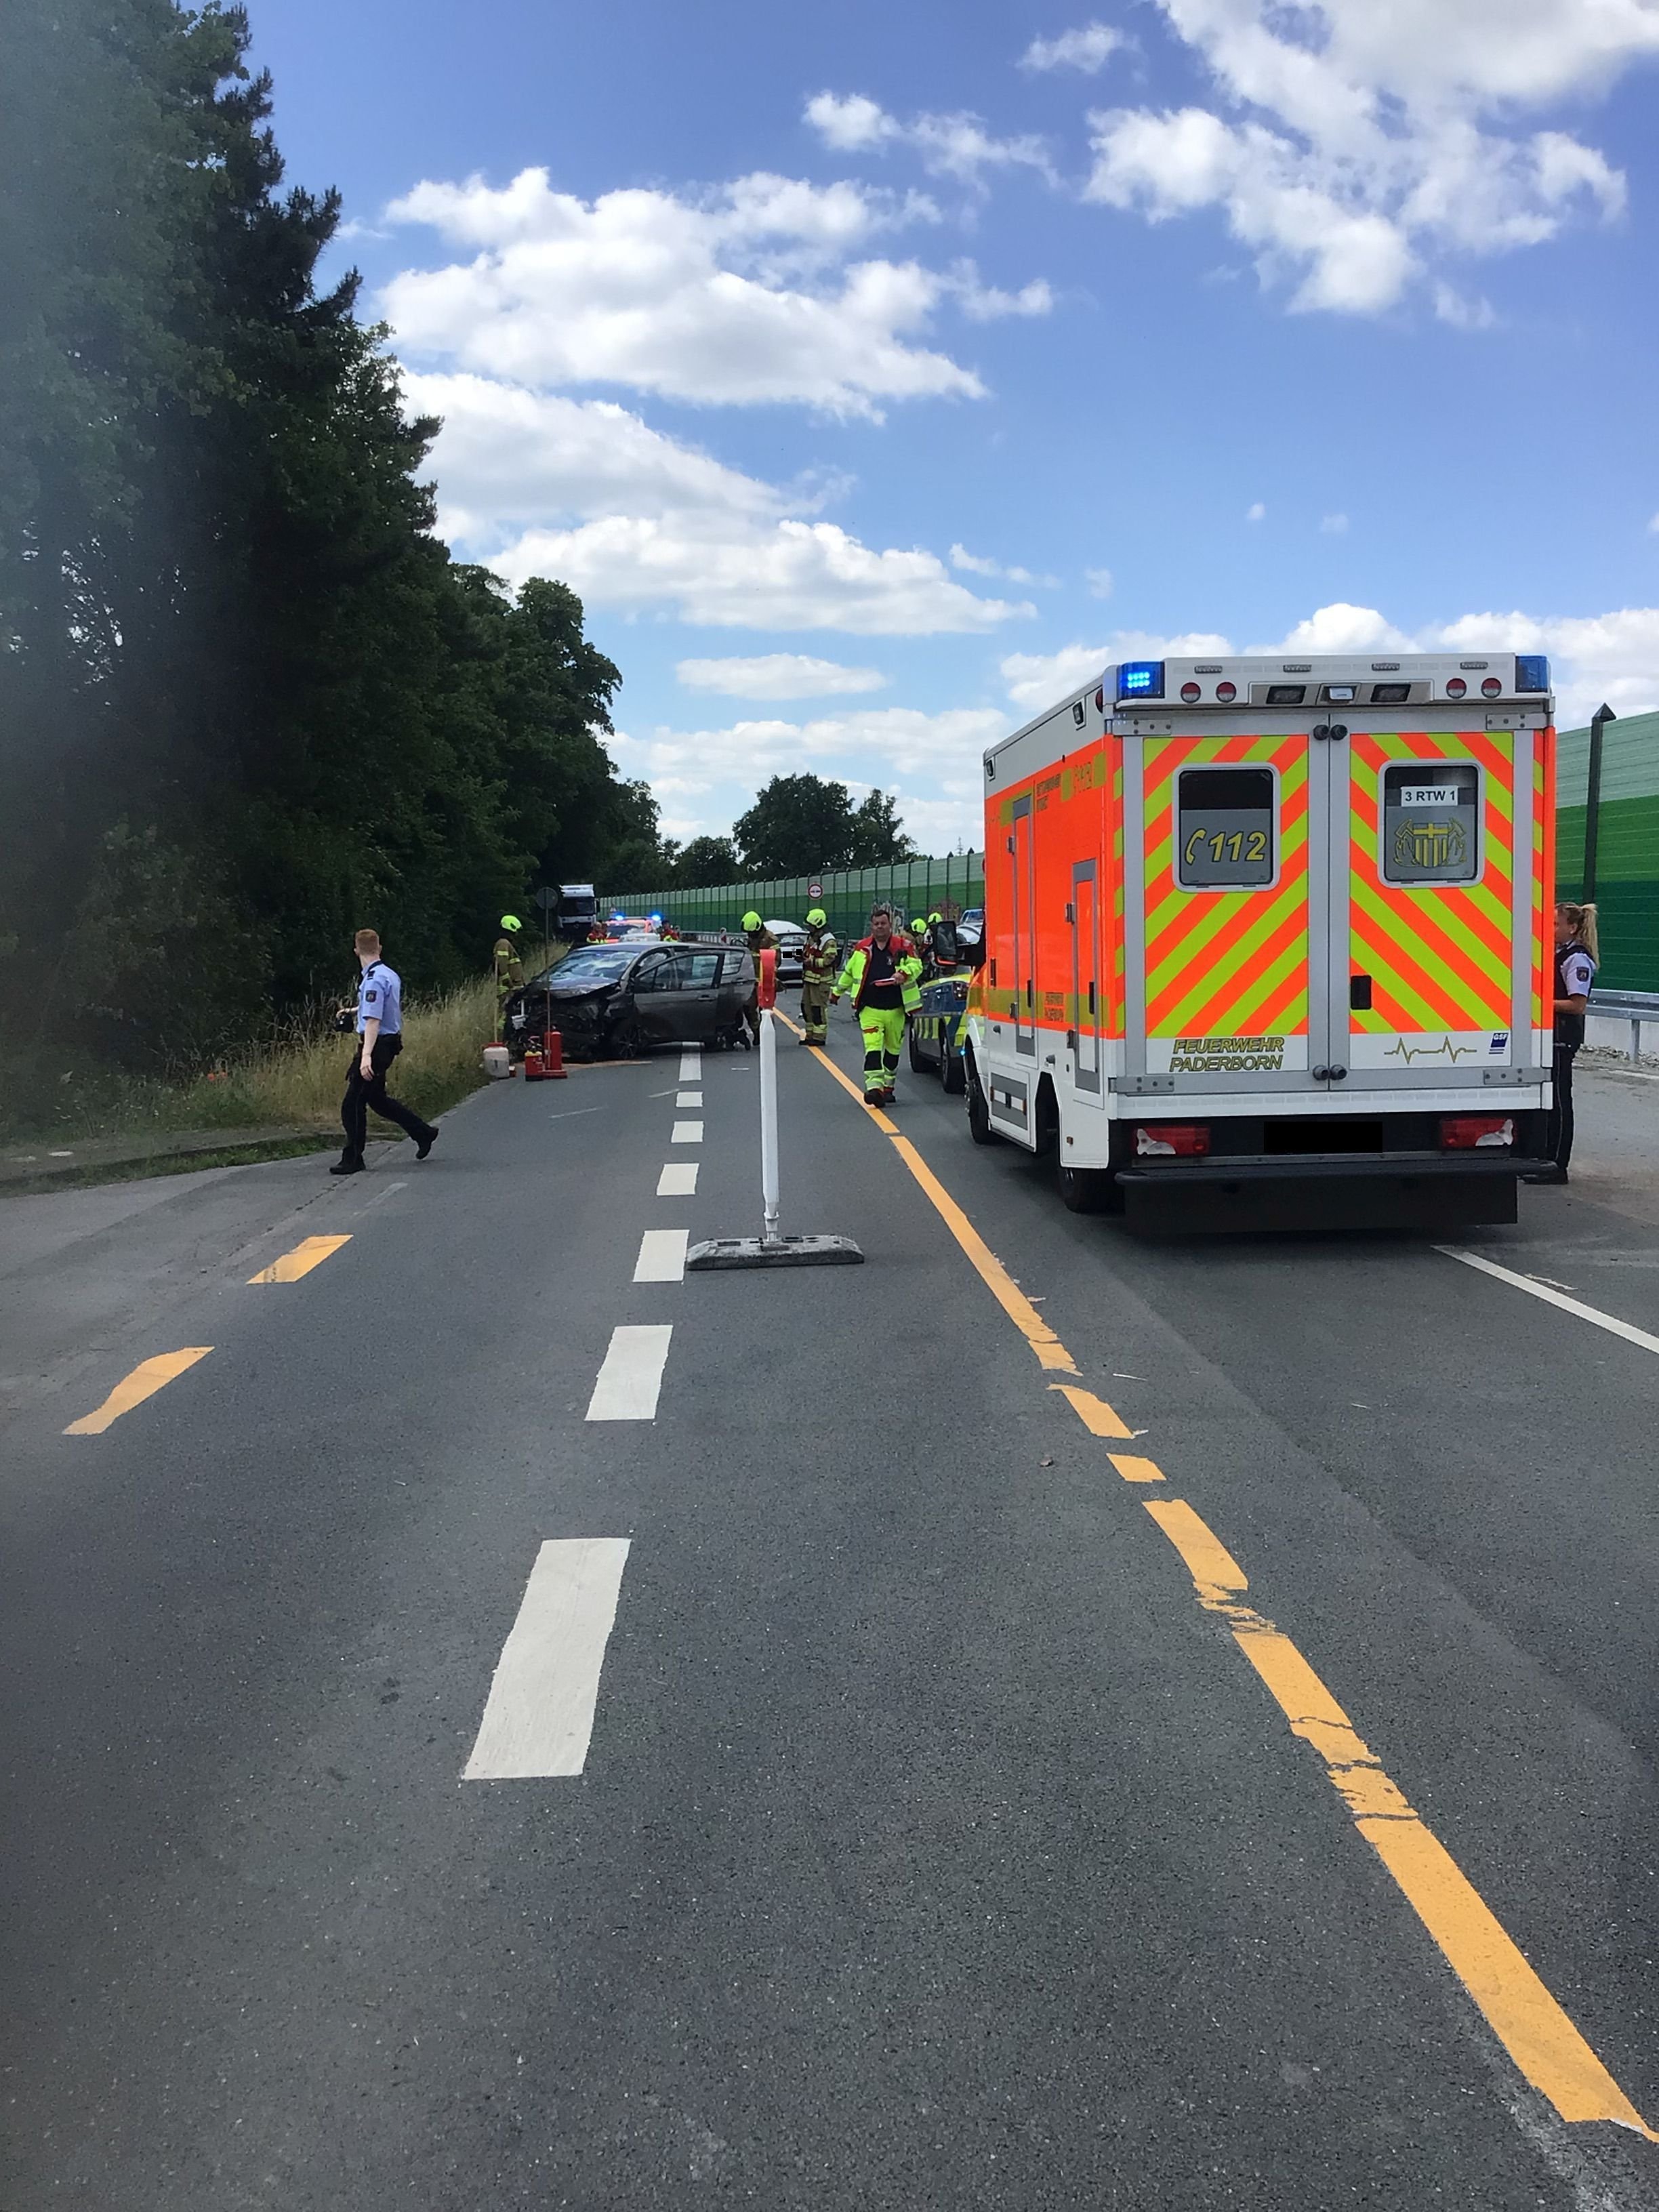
[[593, 964]]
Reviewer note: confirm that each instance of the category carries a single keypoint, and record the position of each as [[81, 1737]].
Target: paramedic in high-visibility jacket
[[818, 957], [882, 973]]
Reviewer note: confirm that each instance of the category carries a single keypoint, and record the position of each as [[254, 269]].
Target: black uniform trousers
[[360, 1096], [1560, 1121]]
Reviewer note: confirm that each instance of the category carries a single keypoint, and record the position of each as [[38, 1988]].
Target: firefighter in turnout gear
[[881, 972], [818, 957], [759, 939], [509, 969]]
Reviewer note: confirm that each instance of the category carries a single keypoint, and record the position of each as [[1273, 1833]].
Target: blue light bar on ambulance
[[1532, 672], [1140, 679]]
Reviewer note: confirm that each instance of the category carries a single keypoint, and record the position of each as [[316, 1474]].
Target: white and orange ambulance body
[[1269, 941]]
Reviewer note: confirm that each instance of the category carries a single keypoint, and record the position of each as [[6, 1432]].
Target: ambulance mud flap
[[1212, 1200]]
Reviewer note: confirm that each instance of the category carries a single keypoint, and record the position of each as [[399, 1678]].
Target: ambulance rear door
[[1442, 899], [1226, 882]]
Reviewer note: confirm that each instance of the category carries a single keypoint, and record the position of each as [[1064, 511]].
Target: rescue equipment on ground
[[498, 1062]]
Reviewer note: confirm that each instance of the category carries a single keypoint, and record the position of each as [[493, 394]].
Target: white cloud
[[1254, 512], [1654, 525], [1334, 526], [704, 778], [760, 291], [955, 146], [1088, 49], [1099, 582], [1463, 313], [1613, 657], [535, 483], [777, 675], [784, 575], [1359, 148], [979, 564], [1341, 628]]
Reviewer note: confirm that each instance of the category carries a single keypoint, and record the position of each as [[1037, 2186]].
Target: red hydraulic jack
[[771, 1249]]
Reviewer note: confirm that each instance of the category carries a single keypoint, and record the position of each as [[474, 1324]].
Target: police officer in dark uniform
[[1575, 950], [379, 1023]]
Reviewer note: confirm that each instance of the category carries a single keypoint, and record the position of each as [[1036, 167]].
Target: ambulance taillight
[[1185, 1140], [1468, 1133]]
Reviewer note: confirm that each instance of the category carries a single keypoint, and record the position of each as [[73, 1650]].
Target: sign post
[[771, 1249]]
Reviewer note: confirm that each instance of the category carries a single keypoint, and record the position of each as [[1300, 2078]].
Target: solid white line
[[678, 1180], [662, 1256], [632, 1375], [538, 1719], [687, 1132], [688, 1098], [1536, 1290]]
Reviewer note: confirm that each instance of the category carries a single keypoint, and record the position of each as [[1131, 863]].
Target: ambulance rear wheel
[[1083, 1190], [979, 1110]]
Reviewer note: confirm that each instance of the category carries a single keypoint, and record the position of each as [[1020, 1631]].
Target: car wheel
[[625, 1041], [979, 1110], [952, 1073], [920, 1063]]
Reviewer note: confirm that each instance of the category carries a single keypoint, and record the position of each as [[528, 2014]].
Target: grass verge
[[295, 1081]]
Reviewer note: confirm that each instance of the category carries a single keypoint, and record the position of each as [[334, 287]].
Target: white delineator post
[[771, 1249], [768, 1118]]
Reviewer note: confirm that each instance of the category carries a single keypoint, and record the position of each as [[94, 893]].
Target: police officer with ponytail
[[1575, 972]]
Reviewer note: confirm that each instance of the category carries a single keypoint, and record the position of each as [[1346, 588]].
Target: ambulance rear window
[[1224, 828], [1430, 823]]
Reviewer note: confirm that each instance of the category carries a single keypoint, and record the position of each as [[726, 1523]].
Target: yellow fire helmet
[[919, 925], [752, 919], [815, 917], [510, 922]]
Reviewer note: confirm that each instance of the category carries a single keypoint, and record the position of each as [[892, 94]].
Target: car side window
[[659, 974], [699, 969], [736, 968]]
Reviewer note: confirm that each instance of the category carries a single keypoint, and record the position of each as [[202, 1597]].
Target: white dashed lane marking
[[690, 1068], [688, 1098], [662, 1256], [678, 1180], [538, 1719], [687, 1132], [631, 1377]]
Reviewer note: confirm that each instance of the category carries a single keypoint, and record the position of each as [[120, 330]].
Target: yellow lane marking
[[145, 1380], [1523, 2015], [1050, 1352], [1136, 1470], [300, 1260], [1532, 2028], [1096, 1416]]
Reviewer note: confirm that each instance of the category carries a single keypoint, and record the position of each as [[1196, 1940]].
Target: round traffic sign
[[815, 890]]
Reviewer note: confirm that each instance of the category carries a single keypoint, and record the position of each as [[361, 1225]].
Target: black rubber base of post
[[780, 1252]]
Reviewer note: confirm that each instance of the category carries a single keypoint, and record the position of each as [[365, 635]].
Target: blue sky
[[876, 372]]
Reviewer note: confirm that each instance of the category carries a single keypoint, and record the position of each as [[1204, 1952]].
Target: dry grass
[[295, 1081], [298, 1085]]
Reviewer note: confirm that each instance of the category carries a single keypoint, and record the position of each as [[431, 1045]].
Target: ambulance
[[1268, 940]]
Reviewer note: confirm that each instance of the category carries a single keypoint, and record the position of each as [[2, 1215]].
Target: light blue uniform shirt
[[380, 993]]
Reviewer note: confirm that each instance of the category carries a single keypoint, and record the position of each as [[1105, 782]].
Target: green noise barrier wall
[[1627, 853], [914, 887]]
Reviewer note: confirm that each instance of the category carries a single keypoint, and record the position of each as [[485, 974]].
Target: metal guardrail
[[1632, 1006]]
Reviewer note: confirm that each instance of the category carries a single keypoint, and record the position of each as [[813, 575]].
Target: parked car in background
[[791, 936], [611, 1002]]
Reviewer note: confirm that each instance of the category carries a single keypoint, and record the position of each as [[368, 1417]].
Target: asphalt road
[[829, 1785]]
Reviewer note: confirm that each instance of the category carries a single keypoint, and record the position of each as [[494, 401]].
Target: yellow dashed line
[[300, 1260], [1532, 2028], [145, 1380]]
